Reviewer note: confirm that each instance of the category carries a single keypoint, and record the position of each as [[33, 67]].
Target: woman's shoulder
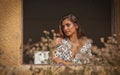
[[85, 40], [86, 44], [60, 41], [57, 41]]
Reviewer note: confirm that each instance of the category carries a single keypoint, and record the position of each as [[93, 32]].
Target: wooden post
[[118, 18]]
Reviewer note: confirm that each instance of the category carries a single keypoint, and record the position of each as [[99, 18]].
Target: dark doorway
[[40, 15]]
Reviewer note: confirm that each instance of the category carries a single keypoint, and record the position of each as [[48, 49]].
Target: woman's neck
[[73, 38]]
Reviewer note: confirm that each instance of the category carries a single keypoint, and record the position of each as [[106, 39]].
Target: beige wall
[[11, 40], [10, 32]]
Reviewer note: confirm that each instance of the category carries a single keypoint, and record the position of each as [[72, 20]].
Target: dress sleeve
[[63, 51], [85, 52], [89, 46], [88, 51]]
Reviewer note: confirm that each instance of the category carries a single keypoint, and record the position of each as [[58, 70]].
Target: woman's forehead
[[66, 20]]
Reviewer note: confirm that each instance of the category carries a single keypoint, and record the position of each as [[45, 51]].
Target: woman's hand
[[60, 61]]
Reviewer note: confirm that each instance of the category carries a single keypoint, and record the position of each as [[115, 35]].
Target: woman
[[73, 47]]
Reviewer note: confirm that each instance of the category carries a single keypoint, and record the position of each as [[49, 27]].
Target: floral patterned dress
[[63, 51]]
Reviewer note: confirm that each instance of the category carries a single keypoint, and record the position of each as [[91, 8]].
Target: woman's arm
[[58, 60]]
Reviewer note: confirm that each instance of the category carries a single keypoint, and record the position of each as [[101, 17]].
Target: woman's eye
[[67, 25]]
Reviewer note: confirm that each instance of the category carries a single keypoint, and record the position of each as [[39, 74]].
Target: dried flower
[[37, 45], [54, 34], [46, 32], [30, 39], [53, 31], [102, 39], [107, 55]]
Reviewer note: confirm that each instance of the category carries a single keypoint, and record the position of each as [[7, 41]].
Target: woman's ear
[[76, 26]]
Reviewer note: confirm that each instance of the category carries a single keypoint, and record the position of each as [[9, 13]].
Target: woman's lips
[[66, 32]]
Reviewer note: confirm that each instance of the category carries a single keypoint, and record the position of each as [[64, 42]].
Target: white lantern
[[41, 57]]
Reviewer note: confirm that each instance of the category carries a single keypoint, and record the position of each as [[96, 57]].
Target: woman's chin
[[67, 35]]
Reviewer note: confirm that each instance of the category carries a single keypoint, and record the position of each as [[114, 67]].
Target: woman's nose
[[65, 27]]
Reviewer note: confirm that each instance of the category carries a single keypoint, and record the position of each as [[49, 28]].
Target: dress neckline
[[79, 48]]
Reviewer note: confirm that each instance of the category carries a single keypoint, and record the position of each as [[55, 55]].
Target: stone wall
[[10, 32]]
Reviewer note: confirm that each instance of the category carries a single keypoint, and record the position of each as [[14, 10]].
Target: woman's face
[[69, 28]]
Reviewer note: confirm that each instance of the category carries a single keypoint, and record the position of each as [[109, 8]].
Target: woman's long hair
[[75, 20]]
